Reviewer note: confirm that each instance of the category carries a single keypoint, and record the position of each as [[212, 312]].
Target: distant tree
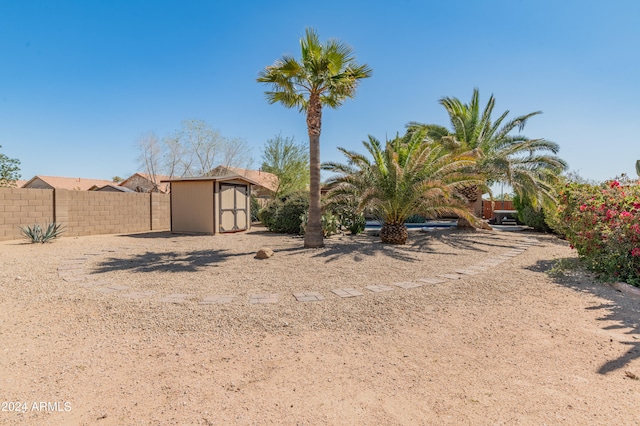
[[117, 179], [326, 75], [289, 162], [151, 152], [9, 170], [193, 150]]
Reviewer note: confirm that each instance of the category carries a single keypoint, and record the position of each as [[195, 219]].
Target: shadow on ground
[[166, 262], [621, 309], [367, 245]]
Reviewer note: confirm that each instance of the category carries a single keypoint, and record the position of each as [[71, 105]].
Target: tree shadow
[[621, 309], [368, 245], [166, 262]]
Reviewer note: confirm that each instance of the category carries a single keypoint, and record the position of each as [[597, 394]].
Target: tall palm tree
[[326, 75], [404, 177], [529, 166]]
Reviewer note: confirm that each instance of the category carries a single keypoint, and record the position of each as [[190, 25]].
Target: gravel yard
[[453, 328]]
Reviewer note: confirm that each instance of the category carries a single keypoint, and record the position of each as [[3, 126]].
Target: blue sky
[[81, 81]]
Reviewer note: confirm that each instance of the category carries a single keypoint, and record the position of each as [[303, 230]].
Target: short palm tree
[[529, 166], [404, 177], [326, 75]]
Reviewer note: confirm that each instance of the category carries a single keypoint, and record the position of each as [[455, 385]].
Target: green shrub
[[416, 218], [255, 209], [529, 215], [284, 215], [37, 234]]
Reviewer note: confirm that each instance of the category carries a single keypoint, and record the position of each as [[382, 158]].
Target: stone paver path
[[73, 270]]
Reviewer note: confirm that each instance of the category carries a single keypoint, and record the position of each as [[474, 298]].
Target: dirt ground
[[115, 330]]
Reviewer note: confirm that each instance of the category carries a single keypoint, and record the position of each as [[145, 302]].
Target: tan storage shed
[[210, 205]]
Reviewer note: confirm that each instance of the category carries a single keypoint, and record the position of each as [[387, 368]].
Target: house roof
[[159, 178], [20, 183], [114, 187], [264, 179], [78, 184]]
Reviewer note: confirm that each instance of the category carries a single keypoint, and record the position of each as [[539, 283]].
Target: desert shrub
[[38, 234], [330, 223], [255, 209], [529, 215], [347, 216], [354, 223], [602, 222], [284, 215]]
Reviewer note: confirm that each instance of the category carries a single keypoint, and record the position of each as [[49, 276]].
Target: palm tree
[[326, 75], [529, 166], [405, 177]]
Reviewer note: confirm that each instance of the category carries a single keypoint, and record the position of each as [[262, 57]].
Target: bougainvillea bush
[[602, 222]]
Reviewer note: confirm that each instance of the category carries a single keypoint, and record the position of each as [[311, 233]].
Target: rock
[[264, 253]]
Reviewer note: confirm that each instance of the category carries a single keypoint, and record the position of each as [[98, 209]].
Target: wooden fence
[[489, 206]]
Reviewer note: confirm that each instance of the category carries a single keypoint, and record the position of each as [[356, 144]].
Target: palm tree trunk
[[313, 237]]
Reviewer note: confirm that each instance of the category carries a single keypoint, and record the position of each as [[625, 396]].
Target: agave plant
[[406, 177], [37, 234]]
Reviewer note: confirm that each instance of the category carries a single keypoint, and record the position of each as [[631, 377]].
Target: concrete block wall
[[160, 212], [23, 207], [82, 212]]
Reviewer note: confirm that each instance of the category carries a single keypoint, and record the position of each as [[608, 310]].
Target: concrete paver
[[217, 299], [263, 298], [379, 288], [308, 297], [408, 284], [347, 292]]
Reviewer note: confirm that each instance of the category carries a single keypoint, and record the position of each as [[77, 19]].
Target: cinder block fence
[[82, 212]]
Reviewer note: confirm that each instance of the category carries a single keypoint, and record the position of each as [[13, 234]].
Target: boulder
[[264, 253]]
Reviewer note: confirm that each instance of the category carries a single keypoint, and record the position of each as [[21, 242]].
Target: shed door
[[234, 207]]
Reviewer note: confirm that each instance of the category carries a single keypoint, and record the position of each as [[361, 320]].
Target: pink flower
[[583, 207], [625, 214], [614, 184], [635, 251]]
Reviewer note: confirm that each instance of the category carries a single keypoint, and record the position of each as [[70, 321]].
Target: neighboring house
[[142, 182], [57, 182], [265, 184], [113, 188]]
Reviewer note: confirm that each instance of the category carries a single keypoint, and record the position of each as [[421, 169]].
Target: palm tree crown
[[529, 166], [404, 177], [326, 75]]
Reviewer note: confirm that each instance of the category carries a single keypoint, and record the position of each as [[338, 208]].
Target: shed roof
[[212, 178], [264, 179]]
